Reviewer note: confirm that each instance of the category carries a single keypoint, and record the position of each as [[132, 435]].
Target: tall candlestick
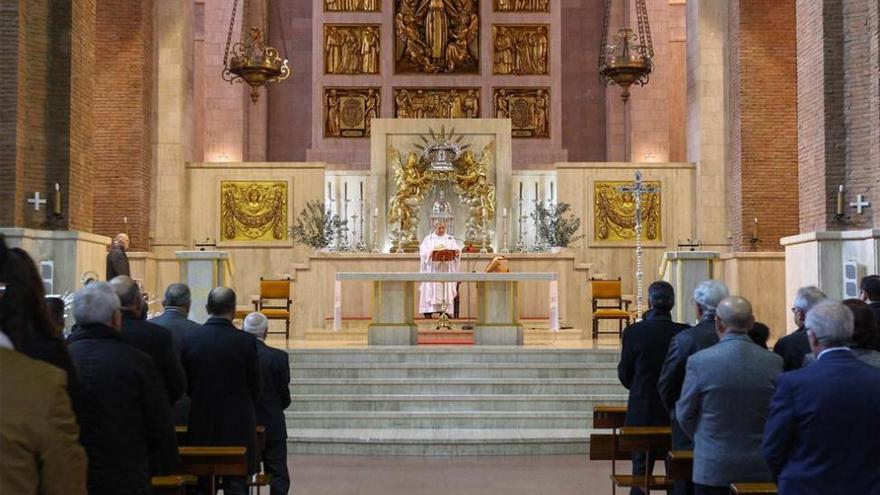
[[755, 229], [840, 200], [536, 191], [345, 187], [361, 193], [56, 208], [504, 213], [376, 212], [329, 192], [520, 190], [551, 191]]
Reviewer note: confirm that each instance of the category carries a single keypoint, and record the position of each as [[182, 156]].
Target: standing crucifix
[[637, 189]]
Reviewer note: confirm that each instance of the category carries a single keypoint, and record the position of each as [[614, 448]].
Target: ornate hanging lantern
[[629, 57], [252, 60]]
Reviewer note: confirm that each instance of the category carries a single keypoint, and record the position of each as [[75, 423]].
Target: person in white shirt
[[434, 295]]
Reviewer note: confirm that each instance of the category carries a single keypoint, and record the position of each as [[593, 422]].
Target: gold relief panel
[[437, 36], [253, 210], [520, 49], [352, 48], [348, 112], [522, 5], [527, 108], [352, 5], [437, 103], [615, 212]]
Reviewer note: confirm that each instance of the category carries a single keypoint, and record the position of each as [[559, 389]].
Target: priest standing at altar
[[431, 294]]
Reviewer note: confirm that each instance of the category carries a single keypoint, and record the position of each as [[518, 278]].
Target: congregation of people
[[96, 412], [803, 415]]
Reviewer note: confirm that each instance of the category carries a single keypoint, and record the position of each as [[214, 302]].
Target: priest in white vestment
[[431, 294]]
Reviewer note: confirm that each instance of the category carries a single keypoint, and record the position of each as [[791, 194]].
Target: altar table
[[393, 315]]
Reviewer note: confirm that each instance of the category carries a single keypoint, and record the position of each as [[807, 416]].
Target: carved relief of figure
[[349, 62], [370, 52], [540, 114], [503, 51], [371, 109], [333, 45], [436, 28], [436, 36], [403, 105], [471, 105], [456, 109], [502, 105], [333, 127], [540, 45], [370, 5]]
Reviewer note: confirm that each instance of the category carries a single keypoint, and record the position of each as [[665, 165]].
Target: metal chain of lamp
[[629, 57], [252, 60]]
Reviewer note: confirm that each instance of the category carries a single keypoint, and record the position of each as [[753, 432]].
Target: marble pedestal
[[201, 271], [393, 319], [685, 270]]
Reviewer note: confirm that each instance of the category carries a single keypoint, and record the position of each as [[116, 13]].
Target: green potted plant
[[556, 226]]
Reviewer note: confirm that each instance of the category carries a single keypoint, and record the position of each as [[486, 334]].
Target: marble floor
[[512, 475]]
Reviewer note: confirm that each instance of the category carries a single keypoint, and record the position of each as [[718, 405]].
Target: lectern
[[684, 270], [201, 271]]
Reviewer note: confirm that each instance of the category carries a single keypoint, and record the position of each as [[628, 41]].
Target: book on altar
[[441, 254]]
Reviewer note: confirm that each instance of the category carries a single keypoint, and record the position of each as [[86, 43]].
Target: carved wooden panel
[[522, 5], [253, 210], [615, 212], [527, 108], [348, 112], [352, 48], [439, 103], [352, 5], [437, 36], [521, 49]]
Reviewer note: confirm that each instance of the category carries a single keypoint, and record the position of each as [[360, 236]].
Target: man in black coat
[[794, 346], [148, 337], [688, 342], [223, 373], [117, 260], [177, 303], [644, 346], [274, 399], [870, 293], [126, 421]]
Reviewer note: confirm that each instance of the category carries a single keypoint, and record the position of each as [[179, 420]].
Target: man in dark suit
[[706, 296], [177, 303], [274, 399], [223, 372], [126, 421], [870, 293], [644, 346], [152, 339], [821, 436], [794, 346], [117, 260], [724, 402]]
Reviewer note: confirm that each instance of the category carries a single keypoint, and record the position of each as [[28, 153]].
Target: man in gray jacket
[[725, 401]]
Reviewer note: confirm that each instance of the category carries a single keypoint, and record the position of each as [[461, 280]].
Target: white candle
[[329, 192], [376, 212], [504, 213]]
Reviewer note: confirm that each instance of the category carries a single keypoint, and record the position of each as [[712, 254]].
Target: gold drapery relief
[[522, 5], [352, 5], [352, 48], [253, 210], [520, 49], [437, 36], [615, 212], [349, 112], [527, 108], [437, 103]]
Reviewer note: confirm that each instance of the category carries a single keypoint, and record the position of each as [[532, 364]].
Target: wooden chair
[[171, 485], [277, 291], [753, 488], [647, 439], [214, 461], [680, 464], [609, 290]]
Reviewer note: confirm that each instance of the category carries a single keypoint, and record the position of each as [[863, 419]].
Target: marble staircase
[[448, 400]]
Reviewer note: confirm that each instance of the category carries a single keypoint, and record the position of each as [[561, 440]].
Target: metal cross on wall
[[36, 201], [860, 204], [637, 189]]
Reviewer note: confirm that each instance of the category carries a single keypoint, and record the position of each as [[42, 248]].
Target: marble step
[[434, 386], [457, 442], [452, 371], [451, 355], [453, 402], [439, 420]]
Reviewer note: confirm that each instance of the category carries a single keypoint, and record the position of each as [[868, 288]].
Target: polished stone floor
[[513, 475]]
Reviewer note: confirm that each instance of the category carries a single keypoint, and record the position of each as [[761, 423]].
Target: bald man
[[117, 260], [725, 401]]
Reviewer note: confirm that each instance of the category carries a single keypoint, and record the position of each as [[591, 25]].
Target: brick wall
[[123, 117], [79, 177], [10, 191], [762, 172]]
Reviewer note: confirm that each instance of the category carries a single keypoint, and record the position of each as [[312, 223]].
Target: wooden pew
[[610, 417], [171, 485], [648, 439], [680, 464], [214, 462], [753, 488]]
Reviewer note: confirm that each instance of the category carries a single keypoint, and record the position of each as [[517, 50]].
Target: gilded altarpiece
[[352, 5], [522, 6], [352, 48], [527, 108], [615, 212], [253, 210], [437, 103], [437, 36], [521, 49], [349, 112]]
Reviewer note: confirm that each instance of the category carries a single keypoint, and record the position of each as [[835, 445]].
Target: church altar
[[498, 300]]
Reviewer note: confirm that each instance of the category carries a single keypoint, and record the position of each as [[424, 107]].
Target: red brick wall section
[[123, 118], [9, 171], [79, 179], [762, 174]]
